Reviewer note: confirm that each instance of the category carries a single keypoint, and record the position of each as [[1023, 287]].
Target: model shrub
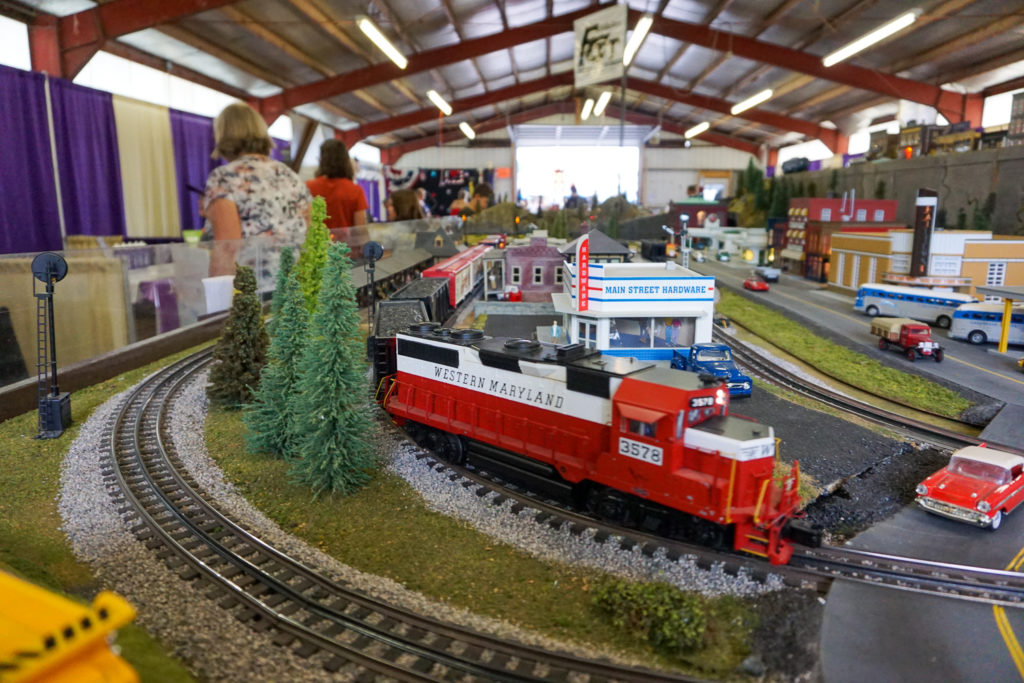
[[270, 415], [242, 350], [333, 426], [314, 254], [669, 619]]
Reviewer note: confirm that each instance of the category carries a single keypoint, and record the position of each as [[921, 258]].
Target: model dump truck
[[911, 337], [714, 359]]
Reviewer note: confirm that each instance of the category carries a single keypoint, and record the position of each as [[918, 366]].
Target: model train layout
[[625, 439]]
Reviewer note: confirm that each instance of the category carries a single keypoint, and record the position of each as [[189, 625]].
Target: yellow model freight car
[[44, 637]]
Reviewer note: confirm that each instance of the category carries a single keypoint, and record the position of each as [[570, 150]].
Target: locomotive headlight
[[720, 397], [983, 506], [921, 490]]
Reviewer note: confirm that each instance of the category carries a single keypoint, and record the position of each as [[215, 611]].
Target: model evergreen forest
[[304, 399]]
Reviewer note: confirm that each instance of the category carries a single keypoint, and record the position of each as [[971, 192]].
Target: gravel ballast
[[218, 647]]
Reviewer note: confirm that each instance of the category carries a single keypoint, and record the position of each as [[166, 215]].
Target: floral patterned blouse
[[271, 199]]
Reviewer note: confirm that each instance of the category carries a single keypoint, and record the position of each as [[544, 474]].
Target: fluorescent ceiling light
[[588, 107], [602, 102], [746, 104], [869, 39], [467, 130], [379, 39], [696, 130], [439, 102], [637, 38]]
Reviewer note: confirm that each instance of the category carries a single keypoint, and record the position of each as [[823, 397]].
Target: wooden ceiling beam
[[419, 62], [133, 54], [245, 65], [268, 36], [319, 16], [954, 106], [504, 27], [964, 42], [761, 27], [62, 46]]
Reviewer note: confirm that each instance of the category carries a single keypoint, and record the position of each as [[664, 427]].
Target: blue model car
[[714, 359]]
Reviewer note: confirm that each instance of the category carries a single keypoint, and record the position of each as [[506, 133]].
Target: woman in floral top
[[252, 195]]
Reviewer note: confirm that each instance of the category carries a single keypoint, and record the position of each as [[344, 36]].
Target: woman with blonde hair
[[252, 194]]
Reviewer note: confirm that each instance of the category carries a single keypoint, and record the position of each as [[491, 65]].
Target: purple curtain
[[28, 199], [372, 190], [192, 137], [277, 152], [90, 168]]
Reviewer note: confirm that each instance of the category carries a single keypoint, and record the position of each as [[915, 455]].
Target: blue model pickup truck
[[714, 359]]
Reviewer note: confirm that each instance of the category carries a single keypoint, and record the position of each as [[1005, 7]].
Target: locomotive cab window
[[640, 428]]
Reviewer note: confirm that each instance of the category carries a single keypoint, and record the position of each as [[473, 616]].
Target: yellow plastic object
[[44, 637]]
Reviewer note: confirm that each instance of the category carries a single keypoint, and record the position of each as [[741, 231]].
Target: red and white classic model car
[[978, 486]]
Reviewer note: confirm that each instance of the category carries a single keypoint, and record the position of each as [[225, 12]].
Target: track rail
[[811, 568], [943, 439], [263, 587]]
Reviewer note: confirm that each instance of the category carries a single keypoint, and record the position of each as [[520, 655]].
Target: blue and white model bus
[[926, 305], [980, 323]]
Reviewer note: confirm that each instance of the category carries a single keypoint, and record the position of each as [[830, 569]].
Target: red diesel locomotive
[[630, 441]]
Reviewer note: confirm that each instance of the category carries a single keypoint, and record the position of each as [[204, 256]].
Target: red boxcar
[[463, 270], [635, 443]]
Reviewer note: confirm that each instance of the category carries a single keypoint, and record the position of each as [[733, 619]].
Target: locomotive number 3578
[[640, 451]]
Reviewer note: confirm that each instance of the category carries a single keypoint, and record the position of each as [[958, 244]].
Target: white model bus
[[980, 323], [926, 305]]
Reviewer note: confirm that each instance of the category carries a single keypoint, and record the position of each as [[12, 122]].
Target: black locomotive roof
[[735, 428]]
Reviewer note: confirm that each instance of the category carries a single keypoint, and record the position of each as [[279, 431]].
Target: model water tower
[[54, 407]]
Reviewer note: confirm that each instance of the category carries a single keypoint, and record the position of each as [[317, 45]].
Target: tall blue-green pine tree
[[333, 415], [284, 269], [241, 351], [269, 417], [314, 254]]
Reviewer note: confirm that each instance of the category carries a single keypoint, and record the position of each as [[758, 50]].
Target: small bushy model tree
[[332, 423], [314, 254], [270, 416], [880, 190], [242, 349], [833, 183], [812, 189]]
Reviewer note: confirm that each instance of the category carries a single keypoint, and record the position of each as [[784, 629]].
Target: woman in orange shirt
[[334, 181]]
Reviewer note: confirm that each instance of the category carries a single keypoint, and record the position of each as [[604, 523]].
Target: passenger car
[[755, 284], [697, 256], [978, 486]]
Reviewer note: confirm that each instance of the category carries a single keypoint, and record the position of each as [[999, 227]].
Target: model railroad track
[[810, 568], [759, 366], [264, 588]]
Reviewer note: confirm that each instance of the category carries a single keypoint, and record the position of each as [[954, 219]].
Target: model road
[[875, 634], [979, 367]]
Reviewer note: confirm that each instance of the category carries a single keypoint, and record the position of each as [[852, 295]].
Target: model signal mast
[[54, 406]]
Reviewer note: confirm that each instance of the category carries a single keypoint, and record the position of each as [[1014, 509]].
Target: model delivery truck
[[910, 337]]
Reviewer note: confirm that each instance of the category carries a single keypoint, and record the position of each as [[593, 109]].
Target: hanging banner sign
[[600, 40], [583, 274]]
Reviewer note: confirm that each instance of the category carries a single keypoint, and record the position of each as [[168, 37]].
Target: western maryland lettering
[[498, 387]]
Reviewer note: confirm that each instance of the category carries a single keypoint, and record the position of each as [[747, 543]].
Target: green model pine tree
[[269, 417], [332, 412], [284, 269], [242, 349], [314, 254]]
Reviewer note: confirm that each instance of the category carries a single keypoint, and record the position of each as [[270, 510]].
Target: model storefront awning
[[792, 254]]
